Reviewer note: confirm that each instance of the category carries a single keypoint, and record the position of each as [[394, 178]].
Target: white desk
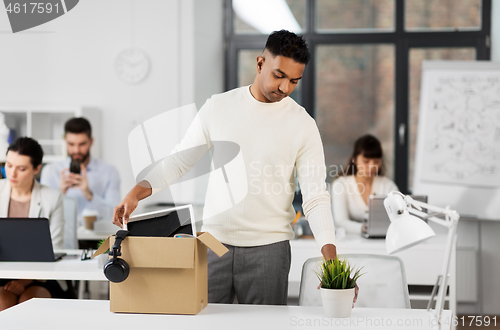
[[92, 235], [423, 262], [88, 314], [65, 269]]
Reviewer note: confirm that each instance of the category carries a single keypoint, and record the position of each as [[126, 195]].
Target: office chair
[[70, 209], [383, 284], [70, 240]]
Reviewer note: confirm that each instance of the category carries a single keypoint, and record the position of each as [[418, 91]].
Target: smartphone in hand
[[74, 167]]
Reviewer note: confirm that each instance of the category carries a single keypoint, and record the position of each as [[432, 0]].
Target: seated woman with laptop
[[21, 196], [363, 176]]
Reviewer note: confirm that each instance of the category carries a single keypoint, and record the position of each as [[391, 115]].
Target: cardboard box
[[167, 275]]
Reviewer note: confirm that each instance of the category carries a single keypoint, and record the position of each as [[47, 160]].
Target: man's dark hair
[[288, 44], [28, 147], [77, 126]]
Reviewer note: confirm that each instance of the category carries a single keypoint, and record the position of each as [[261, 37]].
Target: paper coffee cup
[[89, 217]]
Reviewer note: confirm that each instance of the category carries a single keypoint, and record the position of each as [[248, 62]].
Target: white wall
[[209, 49], [70, 60], [208, 63]]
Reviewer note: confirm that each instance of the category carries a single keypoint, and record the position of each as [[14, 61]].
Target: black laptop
[[26, 239], [170, 222]]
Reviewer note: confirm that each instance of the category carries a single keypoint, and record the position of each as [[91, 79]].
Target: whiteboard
[[457, 160]]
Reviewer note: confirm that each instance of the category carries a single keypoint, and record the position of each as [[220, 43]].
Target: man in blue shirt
[[97, 187]]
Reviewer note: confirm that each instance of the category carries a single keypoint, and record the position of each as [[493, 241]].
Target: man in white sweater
[[277, 138]]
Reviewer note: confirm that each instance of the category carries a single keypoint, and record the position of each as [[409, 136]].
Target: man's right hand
[[122, 212], [65, 180], [124, 209]]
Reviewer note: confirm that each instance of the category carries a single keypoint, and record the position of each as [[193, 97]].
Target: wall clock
[[132, 65]]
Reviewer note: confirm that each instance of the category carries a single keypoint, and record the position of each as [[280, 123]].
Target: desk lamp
[[407, 229]]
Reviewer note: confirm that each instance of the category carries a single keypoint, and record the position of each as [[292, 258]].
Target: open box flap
[[103, 248], [212, 243], [157, 252]]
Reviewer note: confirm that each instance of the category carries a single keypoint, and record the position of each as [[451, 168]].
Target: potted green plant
[[338, 282]]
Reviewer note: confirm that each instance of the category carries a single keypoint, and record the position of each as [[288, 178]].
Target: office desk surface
[[65, 269], [423, 262], [92, 235], [91, 314]]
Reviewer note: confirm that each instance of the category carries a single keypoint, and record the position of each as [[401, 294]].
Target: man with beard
[[97, 186]]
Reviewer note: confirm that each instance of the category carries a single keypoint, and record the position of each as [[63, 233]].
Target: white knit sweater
[[275, 139]]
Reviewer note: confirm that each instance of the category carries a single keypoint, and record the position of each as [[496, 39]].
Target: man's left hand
[[329, 252]]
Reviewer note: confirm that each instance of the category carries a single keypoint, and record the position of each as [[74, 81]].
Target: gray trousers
[[255, 275]]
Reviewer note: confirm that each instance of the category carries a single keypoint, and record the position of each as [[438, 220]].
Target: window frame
[[403, 42]]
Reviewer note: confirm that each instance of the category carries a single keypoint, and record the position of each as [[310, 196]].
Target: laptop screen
[[25, 239], [378, 219]]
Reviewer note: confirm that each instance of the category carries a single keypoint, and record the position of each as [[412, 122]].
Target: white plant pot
[[337, 303]]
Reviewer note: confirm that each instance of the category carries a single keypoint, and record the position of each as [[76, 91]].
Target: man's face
[[277, 76], [78, 145]]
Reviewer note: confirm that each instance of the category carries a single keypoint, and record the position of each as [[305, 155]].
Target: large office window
[[364, 76], [344, 112]]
